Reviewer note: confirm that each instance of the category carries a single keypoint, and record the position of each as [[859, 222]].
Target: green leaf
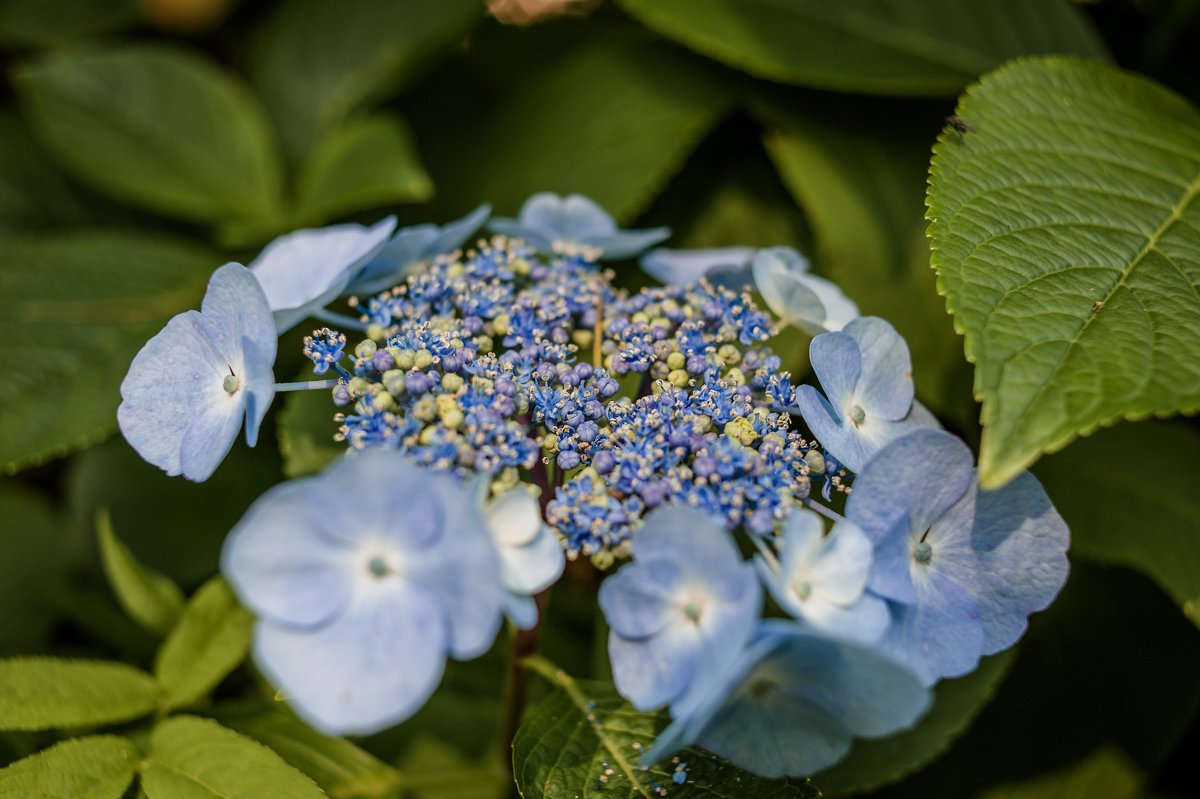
[[1148, 519], [613, 121], [861, 186], [96, 767], [192, 758], [362, 164], [434, 769], [874, 763], [306, 429], [930, 48], [1107, 772], [315, 62], [49, 22], [33, 560], [78, 307], [338, 766], [570, 739], [35, 194], [157, 126], [211, 639], [151, 599], [1066, 239], [39, 693]]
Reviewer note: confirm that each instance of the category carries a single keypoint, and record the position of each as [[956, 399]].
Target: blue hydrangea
[[792, 702], [866, 372], [550, 223], [413, 246], [364, 579], [803, 300], [189, 388], [721, 266], [531, 556], [961, 568], [821, 579], [681, 608], [305, 270]]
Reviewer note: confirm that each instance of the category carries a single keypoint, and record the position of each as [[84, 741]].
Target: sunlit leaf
[[40, 693], [96, 767], [211, 639], [151, 599]]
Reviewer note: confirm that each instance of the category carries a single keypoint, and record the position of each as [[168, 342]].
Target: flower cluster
[[506, 407]]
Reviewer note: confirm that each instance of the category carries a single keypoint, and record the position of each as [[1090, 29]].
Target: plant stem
[[516, 681]]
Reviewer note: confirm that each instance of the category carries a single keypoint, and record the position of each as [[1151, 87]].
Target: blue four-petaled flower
[[961, 568], [189, 388], [364, 579]]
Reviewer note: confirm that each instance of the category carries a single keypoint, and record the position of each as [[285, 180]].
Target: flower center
[[857, 415], [693, 611], [378, 567], [803, 589], [922, 552], [231, 383]]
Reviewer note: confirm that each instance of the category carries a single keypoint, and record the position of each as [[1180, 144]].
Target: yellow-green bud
[[679, 378], [453, 418], [741, 430], [519, 266], [376, 332], [500, 323], [365, 349], [603, 559], [405, 360], [423, 359], [358, 387], [729, 354], [676, 360], [383, 401], [393, 381], [451, 382], [815, 461], [424, 409], [734, 377], [550, 443]]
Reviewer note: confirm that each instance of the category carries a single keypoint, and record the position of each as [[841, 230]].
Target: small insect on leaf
[[1097, 305], [959, 124]]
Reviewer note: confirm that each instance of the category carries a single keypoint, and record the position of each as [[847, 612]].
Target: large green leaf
[[38, 693], [861, 186], [314, 62], [192, 758], [158, 126], [96, 767], [613, 120], [78, 307], [1067, 243], [583, 742], [338, 766], [927, 48], [211, 639], [1148, 519], [33, 560], [1107, 772], [48, 22], [362, 164], [149, 598], [873, 763]]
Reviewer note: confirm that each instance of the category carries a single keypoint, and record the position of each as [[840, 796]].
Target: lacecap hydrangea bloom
[[507, 407]]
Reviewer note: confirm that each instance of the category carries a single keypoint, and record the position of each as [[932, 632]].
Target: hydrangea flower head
[[792, 702], [685, 604], [866, 372], [811, 303], [962, 568], [531, 557], [821, 579], [412, 246], [722, 266], [549, 223], [364, 578], [189, 388], [305, 270]]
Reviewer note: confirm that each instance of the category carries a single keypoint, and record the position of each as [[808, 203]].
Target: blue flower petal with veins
[[548, 222]]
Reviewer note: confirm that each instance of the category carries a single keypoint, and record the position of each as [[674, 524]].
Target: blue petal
[[652, 672], [235, 309], [636, 601], [1021, 543], [941, 634], [371, 667], [724, 265], [304, 271], [216, 418], [258, 383], [282, 565], [167, 383], [413, 245], [884, 385], [910, 484], [837, 362], [515, 230], [838, 435], [535, 565], [675, 532], [811, 303], [626, 243], [521, 610]]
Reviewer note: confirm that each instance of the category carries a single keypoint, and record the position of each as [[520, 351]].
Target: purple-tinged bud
[[382, 360], [568, 459], [583, 370], [419, 383], [587, 432], [604, 461], [761, 522], [704, 466], [341, 395]]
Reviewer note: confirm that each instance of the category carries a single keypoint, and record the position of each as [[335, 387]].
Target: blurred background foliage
[[144, 143]]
